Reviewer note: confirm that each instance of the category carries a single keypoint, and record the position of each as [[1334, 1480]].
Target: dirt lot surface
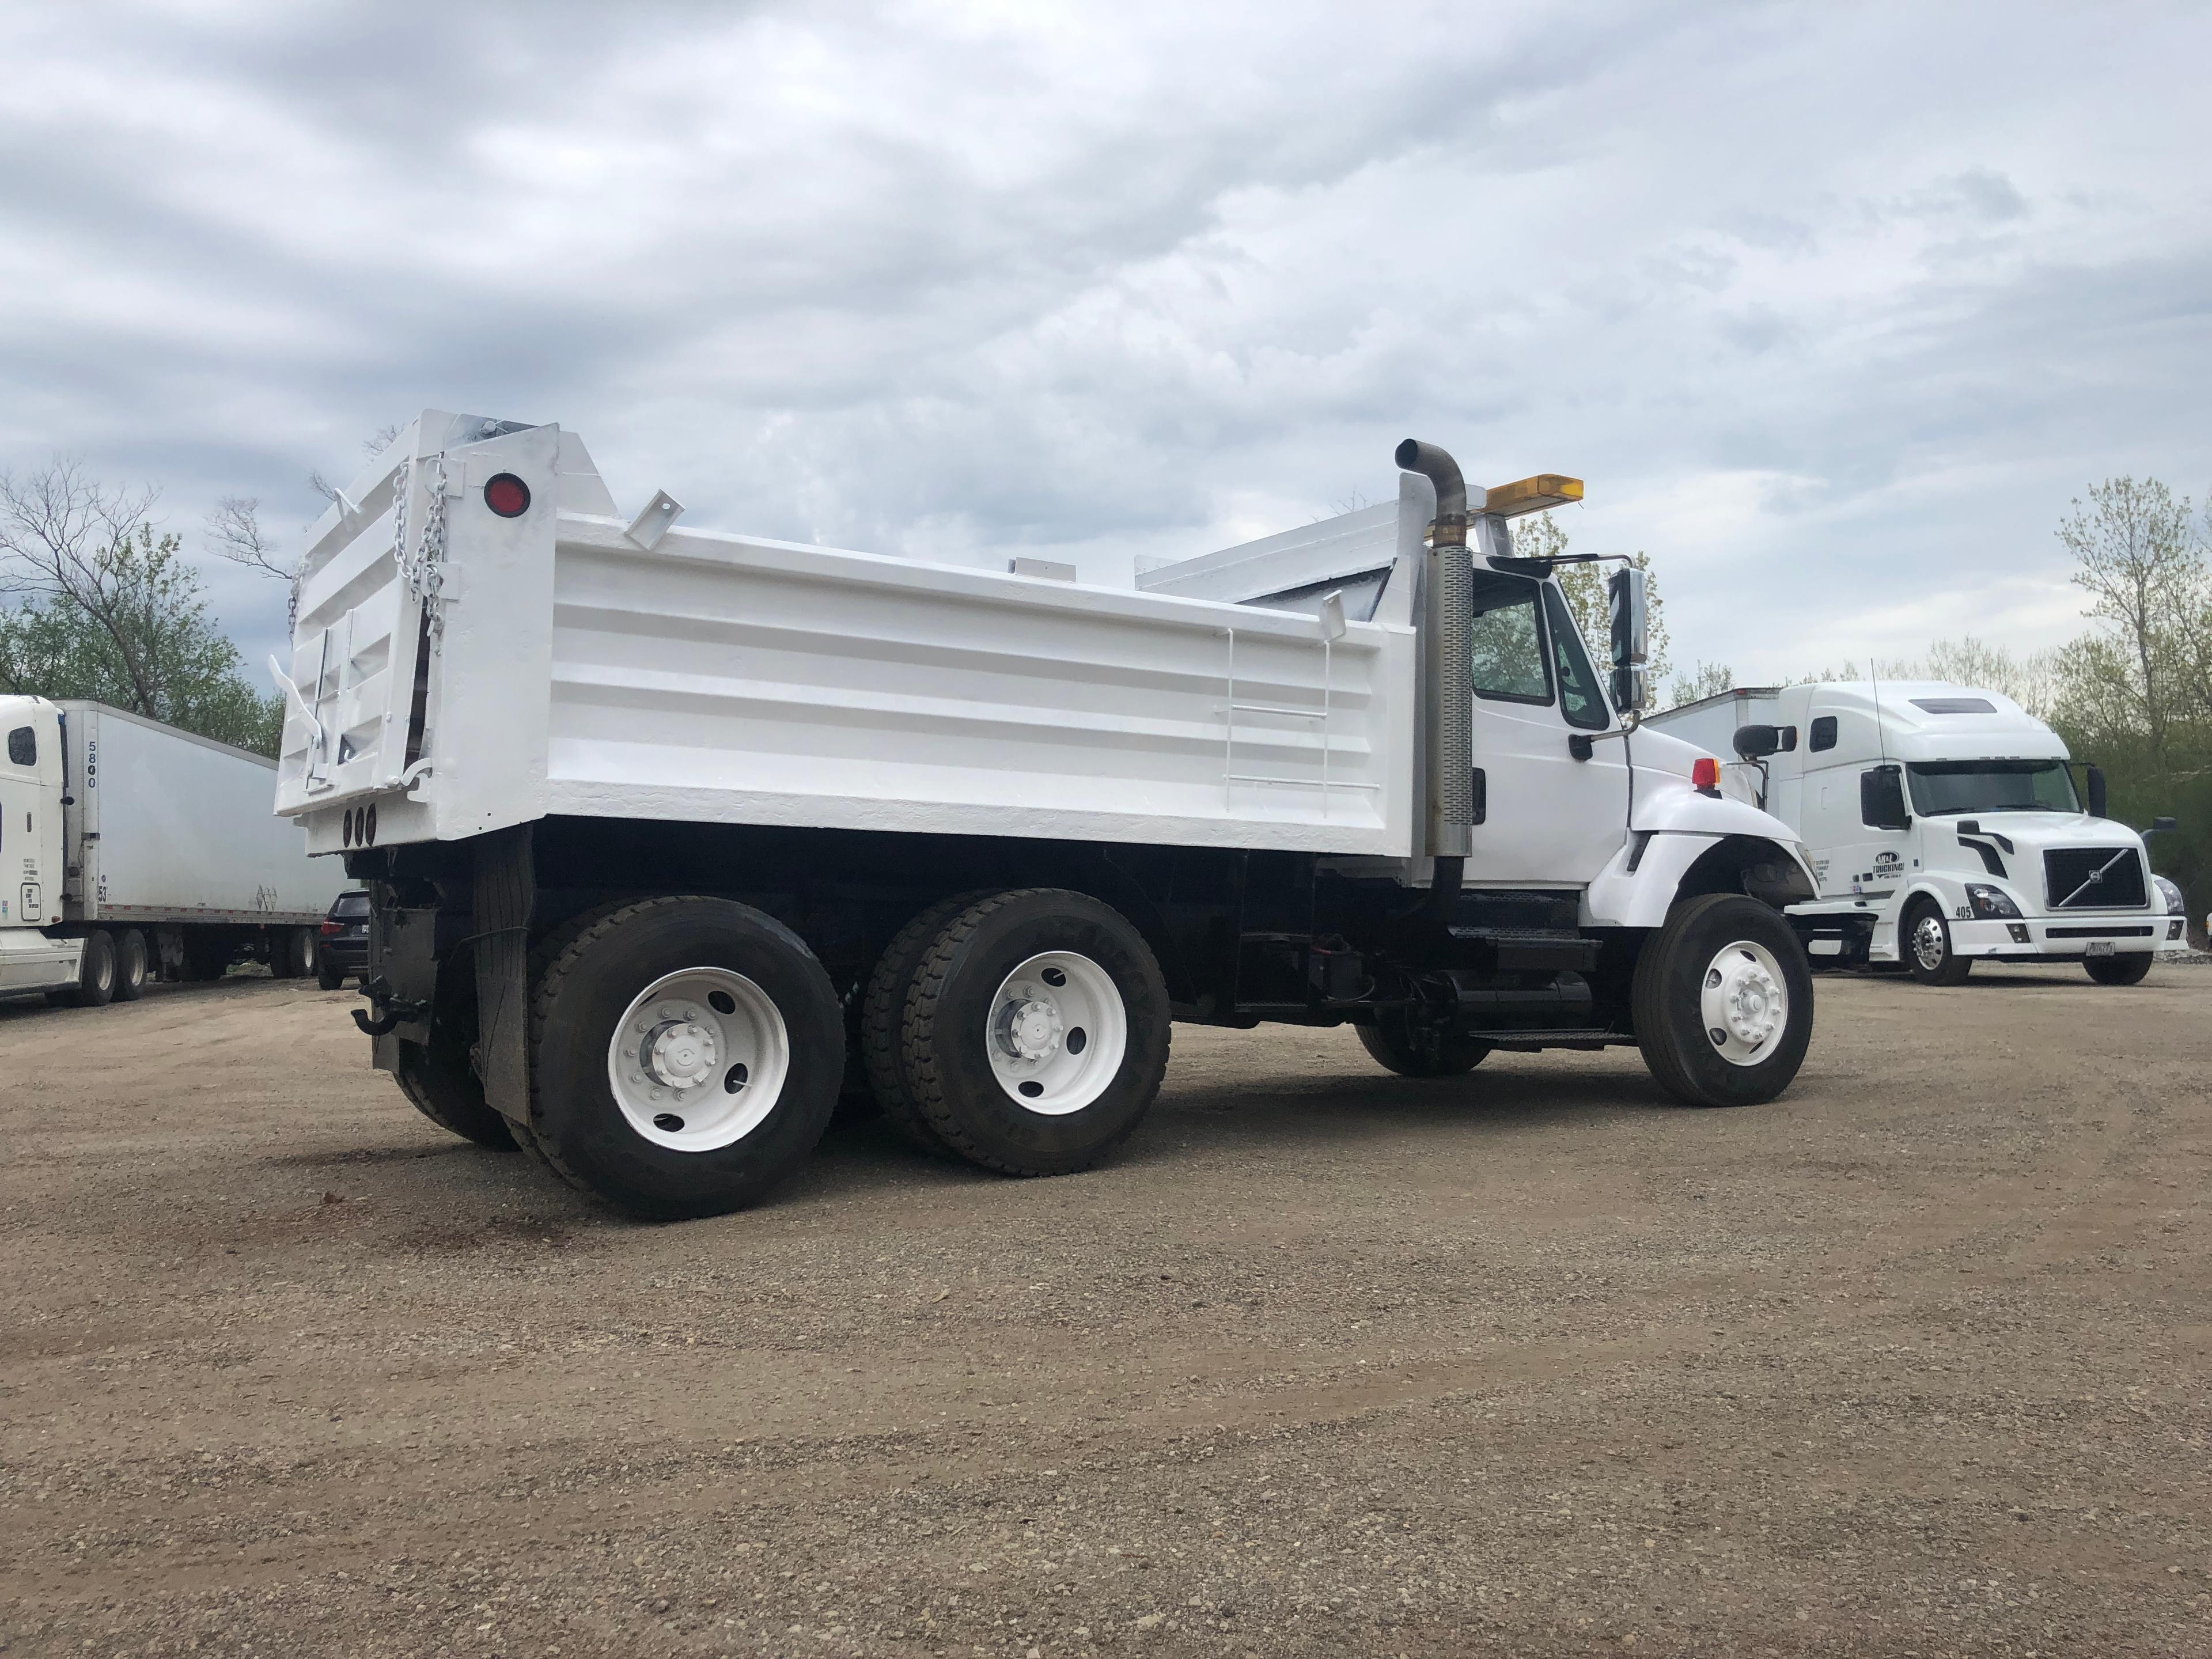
[[1330, 1363]]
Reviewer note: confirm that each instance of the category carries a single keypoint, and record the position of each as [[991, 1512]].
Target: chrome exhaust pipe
[[1448, 619]]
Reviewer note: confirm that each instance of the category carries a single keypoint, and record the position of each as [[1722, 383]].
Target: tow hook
[[390, 1011]]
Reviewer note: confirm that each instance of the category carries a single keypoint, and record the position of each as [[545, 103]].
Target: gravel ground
[[1912, 1361]]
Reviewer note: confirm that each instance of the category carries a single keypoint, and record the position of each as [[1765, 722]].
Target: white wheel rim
[[1928, 943], [1745, 1003], [1056, 1033], [698, 1060]]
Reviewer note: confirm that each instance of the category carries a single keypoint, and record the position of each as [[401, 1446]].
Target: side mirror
[[2161, 827], [1881, 799], [1628, 601], [1757, 742], [2097, 793], [1632, 691]]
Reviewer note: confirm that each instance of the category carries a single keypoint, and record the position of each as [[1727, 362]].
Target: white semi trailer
[[662, 825], [1946, 828], [130, 849]]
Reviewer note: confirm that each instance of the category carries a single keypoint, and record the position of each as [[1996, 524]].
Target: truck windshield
[[1942, 788]]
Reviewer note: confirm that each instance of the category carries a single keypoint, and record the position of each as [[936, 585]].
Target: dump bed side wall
[[170, 827]]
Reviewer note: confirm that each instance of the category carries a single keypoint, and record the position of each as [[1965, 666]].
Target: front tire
[[2130, 970], [1924, 938], [1420, 1049], [1036, 1034], [686, 1055], [1722, 1000]]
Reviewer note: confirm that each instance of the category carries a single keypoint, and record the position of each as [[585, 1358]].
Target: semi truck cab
[[1946, 826]]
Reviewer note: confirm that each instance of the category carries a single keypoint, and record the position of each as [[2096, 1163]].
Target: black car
[[342, 952]]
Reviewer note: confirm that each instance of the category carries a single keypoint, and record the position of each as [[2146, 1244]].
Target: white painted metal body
[[121, 821], [1875, 874], [457, 672]]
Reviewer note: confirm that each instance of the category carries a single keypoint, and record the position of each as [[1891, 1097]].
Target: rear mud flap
[[506, 888]]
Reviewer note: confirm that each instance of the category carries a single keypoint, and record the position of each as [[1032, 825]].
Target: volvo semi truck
[[131, 850], [1946, 826], [660, 825]]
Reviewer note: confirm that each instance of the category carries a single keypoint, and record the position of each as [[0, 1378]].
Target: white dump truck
[[662, 825], [1946, 826], [130, 849]]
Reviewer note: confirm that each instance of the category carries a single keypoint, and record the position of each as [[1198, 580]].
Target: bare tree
[[67, 538], [234, 531]]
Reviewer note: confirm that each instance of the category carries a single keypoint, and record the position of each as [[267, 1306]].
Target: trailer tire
[[727, 1147], [1727, 959], [441, 1085], [882, 1020], [1923, 940], [1040, 980], [2130, 970], [130, 966], [292, 953], [1400, 1045], [95, 973]]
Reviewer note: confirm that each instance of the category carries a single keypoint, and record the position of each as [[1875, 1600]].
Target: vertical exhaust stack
[[1449, 622]]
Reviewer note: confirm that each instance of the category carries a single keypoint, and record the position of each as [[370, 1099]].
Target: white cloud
[[1834, 308]]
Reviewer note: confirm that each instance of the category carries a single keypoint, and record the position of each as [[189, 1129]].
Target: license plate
[[2098, 947]]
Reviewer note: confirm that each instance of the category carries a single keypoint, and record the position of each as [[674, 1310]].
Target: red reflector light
[[507, 496], [1706, 773]]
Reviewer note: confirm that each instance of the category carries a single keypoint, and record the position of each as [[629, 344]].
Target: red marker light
[[1706, 774], [507, 496]]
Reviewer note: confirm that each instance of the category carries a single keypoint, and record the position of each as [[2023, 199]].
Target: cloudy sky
[[1835, 307]]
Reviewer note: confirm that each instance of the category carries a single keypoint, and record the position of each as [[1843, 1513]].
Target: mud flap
[[505, 891]]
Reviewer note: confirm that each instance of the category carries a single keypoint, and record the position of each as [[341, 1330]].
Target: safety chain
[[423, 567]]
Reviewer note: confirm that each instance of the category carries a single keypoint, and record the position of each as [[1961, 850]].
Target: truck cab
[[32, 875], [1946, 826]]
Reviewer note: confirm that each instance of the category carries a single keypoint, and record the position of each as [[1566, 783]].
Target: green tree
[[108, 609], [1707, 679], [2141, 560]]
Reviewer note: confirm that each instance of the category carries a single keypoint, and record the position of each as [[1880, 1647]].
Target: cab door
[[1548, 816], [30, 813]]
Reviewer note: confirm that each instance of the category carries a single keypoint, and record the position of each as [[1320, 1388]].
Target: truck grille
[[2072, 881]]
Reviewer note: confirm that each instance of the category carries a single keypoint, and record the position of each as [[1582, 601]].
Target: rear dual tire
[[687, 1054], [1034, 1035]]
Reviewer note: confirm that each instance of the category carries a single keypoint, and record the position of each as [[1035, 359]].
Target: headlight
[[2175, 904], [1992, 903]]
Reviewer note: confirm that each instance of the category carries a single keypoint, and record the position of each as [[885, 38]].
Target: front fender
[[1666, 805], [1641, 884]]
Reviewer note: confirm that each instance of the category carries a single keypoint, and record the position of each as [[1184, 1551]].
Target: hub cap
[[1745, 1002], [1056, 1033], [698, 1060], [1928, 943]]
